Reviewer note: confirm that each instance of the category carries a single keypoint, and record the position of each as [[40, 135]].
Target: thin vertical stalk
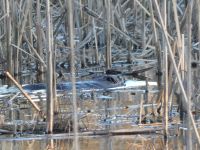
[[40, 67], [189, 74], [50, 102], [96, 42], [15, 32], [29, 23], [198, 12], [8, 40], [183, 65], [174, 3], [79, 23], [73, 79], [135, 14], [146, 99], [165, 110], [130, 47], [56, 107], [108, 35], [141, 107], [3, 26], [169, 18], [198, 20], [182, 58], [143, 28]]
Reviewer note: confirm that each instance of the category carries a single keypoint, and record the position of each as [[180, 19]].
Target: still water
[[109, 104], [137, 142]]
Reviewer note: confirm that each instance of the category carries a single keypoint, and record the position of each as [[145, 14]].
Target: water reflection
[[50, 145], [137, 142]]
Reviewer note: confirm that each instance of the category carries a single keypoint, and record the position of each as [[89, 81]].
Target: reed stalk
[[108, 34], [49, 80], [189, 73], [8, 40], [69, 4]]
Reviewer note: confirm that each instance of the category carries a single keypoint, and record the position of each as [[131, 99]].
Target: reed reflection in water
[[138, 142]]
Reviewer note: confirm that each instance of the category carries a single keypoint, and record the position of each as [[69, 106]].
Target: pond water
[[119, 109], [138, 142]]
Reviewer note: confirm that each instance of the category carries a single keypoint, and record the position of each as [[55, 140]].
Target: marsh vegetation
[[147, 52]]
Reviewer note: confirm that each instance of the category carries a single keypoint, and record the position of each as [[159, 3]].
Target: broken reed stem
[[23, 92]]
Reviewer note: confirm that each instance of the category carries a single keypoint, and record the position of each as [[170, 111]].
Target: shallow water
[[118, 109], [139, 142]]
